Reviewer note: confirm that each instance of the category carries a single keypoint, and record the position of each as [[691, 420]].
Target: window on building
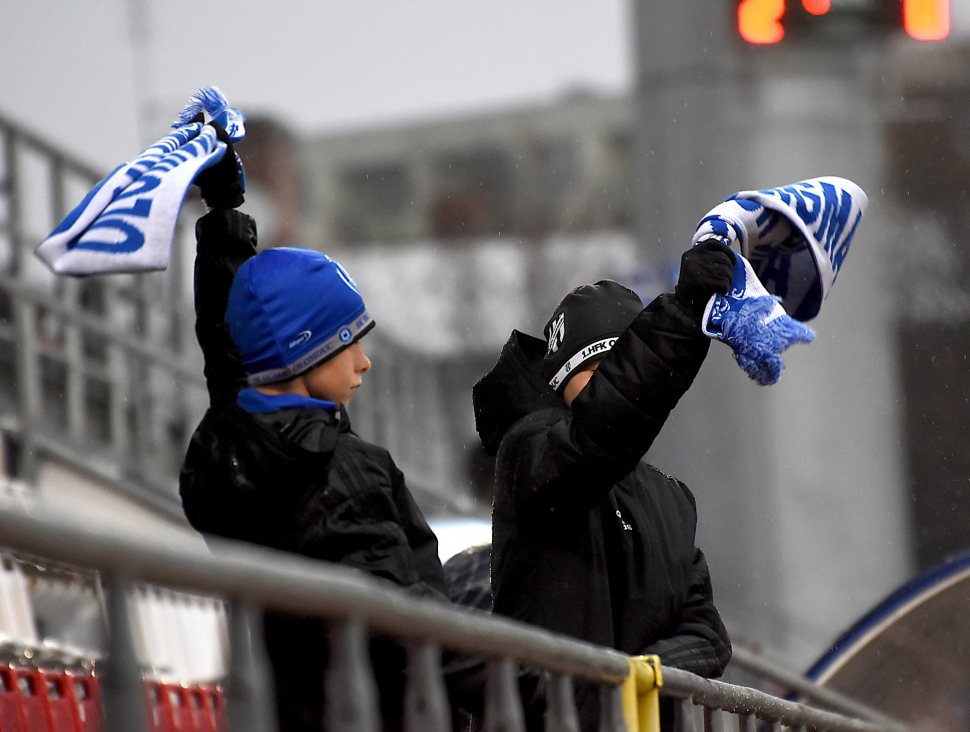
[[472, 194], [559, 166], [376, 203]]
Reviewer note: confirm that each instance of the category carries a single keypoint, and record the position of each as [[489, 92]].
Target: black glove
[[705, 269], [220, 185]]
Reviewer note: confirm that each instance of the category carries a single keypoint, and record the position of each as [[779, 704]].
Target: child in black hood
[[587, 539]]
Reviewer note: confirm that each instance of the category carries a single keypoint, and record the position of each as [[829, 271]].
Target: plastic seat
[[35, 715], [159, 716], [86, 701], [203, 718], [53, 689], [182, 711], [11, 706]]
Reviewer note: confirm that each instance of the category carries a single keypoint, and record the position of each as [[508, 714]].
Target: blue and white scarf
[[127, 222], [793, 241]]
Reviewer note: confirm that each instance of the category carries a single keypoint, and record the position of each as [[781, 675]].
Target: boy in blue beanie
[[274, 460]]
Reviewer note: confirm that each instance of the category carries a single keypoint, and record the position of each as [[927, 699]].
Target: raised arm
[[568, 459], [225, 238]]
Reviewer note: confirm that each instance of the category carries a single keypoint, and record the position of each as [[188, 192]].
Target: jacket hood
[[513, 389]]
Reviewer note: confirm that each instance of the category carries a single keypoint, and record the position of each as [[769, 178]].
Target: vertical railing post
[[350, 698], [684, 716], [611, 708], [250, 701], [425, 701], [747, 723], [118, 405], [74, 385], [503, 707], [28, 385], [121, 685], [714, 720], [560, 704], [24, 316]]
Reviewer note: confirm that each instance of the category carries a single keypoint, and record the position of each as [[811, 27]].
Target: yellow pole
[[641, 694], [631, 712], [650, 696]]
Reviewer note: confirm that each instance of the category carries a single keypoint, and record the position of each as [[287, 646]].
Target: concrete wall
[[800, 485]]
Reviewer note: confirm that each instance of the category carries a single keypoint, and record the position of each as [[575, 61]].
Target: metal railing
[[252, 579], [785, 678], [100, 372]]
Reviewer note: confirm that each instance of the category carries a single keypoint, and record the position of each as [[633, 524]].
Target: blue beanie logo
[[346, 335], [348, 280], [300, 338]]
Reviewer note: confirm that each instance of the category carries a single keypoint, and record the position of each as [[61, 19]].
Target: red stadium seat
[[29, 684], [83, 691], [11, 707], [203, 720], [54, 689], [179, 702], [217, 701], [159, 715]]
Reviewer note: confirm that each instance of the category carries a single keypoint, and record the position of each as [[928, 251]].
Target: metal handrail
[[49, 150], [98, 326], [255, 576], [758, 665]]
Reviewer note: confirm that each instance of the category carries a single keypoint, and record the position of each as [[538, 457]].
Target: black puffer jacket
[[587, 540], [298, 480]]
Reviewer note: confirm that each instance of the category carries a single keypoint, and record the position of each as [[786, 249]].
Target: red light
[[817, 7], [927, 20], [759, 21]]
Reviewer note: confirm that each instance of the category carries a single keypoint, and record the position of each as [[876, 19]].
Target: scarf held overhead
[[793, 241], [126, 223]]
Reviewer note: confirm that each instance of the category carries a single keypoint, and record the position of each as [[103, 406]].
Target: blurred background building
[[816, 496]]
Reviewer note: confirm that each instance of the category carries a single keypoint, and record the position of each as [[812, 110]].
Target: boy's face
[[578, 381], [337, 380]]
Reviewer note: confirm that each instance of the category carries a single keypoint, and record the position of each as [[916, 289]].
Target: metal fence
[[252, 579], [99, 372]]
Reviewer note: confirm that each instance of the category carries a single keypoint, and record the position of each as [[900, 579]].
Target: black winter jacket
[[587, 540], [298, 480]]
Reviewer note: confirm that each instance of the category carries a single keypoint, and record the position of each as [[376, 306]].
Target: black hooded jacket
[[588, 540], [299, 480]]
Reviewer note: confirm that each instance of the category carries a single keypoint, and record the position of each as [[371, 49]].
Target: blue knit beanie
[[289, 310]]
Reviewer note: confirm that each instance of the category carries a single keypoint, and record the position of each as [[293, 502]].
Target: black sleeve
[[648, 370], [420, 537], [225, 238], [568, 459], [700, 642]]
